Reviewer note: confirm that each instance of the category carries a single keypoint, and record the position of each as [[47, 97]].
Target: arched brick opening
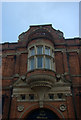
[[42, 113], [29, 110]]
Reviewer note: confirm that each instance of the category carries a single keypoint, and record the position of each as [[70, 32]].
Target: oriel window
[[40, 56]]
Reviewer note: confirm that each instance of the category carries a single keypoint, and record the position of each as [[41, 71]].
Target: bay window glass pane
[[32, 51], [47, 50], [47, 62], [39, 61], [39, 50], [32, 63]]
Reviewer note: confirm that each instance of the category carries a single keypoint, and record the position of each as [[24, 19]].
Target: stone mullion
[[44, 49]]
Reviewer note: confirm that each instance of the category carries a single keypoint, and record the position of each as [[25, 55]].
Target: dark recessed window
[[31, 96], [51, 96], [23, 97], [3, 101], [60, 95]]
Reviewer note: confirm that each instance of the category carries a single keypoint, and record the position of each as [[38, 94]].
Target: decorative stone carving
[[20, 108], [58, 76], [62, 107], [41, 80], [68, 94], [62, 78], [41, 104], [23, 78], [16, 76]]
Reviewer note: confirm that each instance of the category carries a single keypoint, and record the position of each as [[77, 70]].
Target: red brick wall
[[17, 64]]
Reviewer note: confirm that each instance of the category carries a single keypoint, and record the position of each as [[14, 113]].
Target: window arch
[[42, 113]]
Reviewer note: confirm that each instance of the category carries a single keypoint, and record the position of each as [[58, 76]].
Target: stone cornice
[[66, 50], [15, 53], [17, 76], [14, 76]]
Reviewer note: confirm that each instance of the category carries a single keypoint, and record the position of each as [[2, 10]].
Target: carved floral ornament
[[62, 107], [20, 108], [23, 78]]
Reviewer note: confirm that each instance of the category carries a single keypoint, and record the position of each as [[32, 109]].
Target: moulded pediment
[[20, 82]]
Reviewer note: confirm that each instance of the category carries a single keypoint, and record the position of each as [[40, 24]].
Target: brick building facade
[[41, 76]]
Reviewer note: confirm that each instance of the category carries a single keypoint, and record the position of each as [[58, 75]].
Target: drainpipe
[[72, 90], [11, 90]]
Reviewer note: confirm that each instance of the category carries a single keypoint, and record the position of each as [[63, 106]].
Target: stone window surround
[[46, 97], [51, 96], [31, 96], [51, 56]]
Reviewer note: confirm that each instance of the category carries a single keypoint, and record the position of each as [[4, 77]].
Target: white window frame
[[44, 55]]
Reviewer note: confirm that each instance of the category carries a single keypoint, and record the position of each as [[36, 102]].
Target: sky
[[18, 16]]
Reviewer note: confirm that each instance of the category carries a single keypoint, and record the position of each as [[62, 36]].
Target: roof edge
[[41, 25]]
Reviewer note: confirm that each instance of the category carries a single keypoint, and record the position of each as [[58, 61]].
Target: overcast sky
[[18, 16]]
